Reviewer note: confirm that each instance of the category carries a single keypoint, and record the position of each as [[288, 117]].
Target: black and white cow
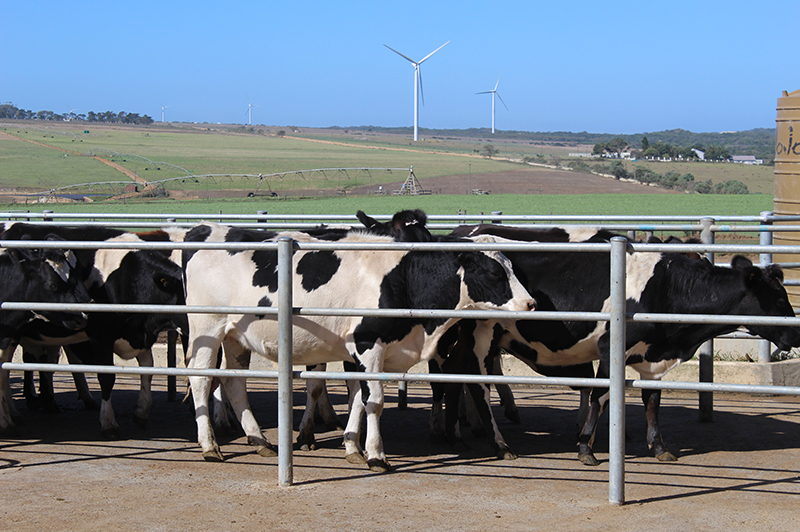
[[656, 283], [122, 276], [404, 226], [48, 276], [344, 279]]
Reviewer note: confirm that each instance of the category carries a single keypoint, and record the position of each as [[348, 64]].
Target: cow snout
[[531, 304]]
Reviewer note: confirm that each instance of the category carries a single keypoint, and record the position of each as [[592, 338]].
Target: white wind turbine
[[417, 83], [494, 93], [250, 106], [163, 107]]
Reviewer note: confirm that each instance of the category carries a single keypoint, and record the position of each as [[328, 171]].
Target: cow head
[[44, 276], [765, 295], [489, 281], [405, 226]]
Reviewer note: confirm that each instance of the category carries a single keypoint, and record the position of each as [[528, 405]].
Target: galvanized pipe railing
[[617, 318]]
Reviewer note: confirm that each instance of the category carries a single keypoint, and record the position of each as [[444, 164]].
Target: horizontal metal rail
[[407, 377], [616, 317]]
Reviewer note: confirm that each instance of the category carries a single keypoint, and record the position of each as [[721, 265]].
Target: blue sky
[[602, 67]]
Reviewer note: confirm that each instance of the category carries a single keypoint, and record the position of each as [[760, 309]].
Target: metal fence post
[[706, 352], [172, 361], [616, 400], [285, 471], [765, 259]]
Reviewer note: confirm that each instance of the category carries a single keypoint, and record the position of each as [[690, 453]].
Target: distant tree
[[645, 143], [599, 148], [617, 169], [280, 133], [489, 150], [715, 152], [651, 153], [616, 145], [704, 187], [731, 186]]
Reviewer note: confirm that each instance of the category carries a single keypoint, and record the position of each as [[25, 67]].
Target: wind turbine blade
[[433, 52], [504, 103], [498, 80], [484, 92], [421, 92], [401, 55]]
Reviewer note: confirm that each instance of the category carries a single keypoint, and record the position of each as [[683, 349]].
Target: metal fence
[[617, 318]]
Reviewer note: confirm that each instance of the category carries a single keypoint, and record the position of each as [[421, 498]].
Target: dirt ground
[[740, 472]]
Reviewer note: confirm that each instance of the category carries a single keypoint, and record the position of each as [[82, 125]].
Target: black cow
[[656, 283], [48, 276], [119, 276]]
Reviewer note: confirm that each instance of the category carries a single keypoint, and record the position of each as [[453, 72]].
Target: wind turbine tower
[[417, 83], [250, 106], [494, 93], [163, 107]]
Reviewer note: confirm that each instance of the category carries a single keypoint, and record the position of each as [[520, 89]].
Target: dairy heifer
[[34, 276], [120, 276], [343, 279], [656, 283]]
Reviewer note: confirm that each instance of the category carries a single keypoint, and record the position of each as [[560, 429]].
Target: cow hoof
[[513, 416], [459, 446], [214, 455], [506, 454], [267, 451], [11, 431], [50, 407], [308, 446], [334, 425], [111, 433], [479, 432], [306, 443], [588, 459], [356, 458], [90, 405], [140, 422], [379, 466], [666, 457], [437, 437]]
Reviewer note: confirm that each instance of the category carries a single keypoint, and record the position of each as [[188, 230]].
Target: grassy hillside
[[163, 151]]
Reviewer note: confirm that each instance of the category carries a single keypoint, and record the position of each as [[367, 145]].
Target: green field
[[164, 151], [511, 204]]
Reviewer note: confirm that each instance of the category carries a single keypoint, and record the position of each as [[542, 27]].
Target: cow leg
[[314, 389], [202, 354], [506, 395], [481, 394], [369, 400], [224, 417], [145, 401], [652, 403], [352, 432], [237, 357], [29, 382], [436, 421], [326, 411], [8, 413], [454, 393], [80, 383]]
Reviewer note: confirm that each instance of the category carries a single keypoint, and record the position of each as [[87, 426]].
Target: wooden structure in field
[[411, 186]]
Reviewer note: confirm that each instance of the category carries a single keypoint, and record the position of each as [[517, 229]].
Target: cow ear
[[752, 276], [365, 220], [741, 263], [774, 272]]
